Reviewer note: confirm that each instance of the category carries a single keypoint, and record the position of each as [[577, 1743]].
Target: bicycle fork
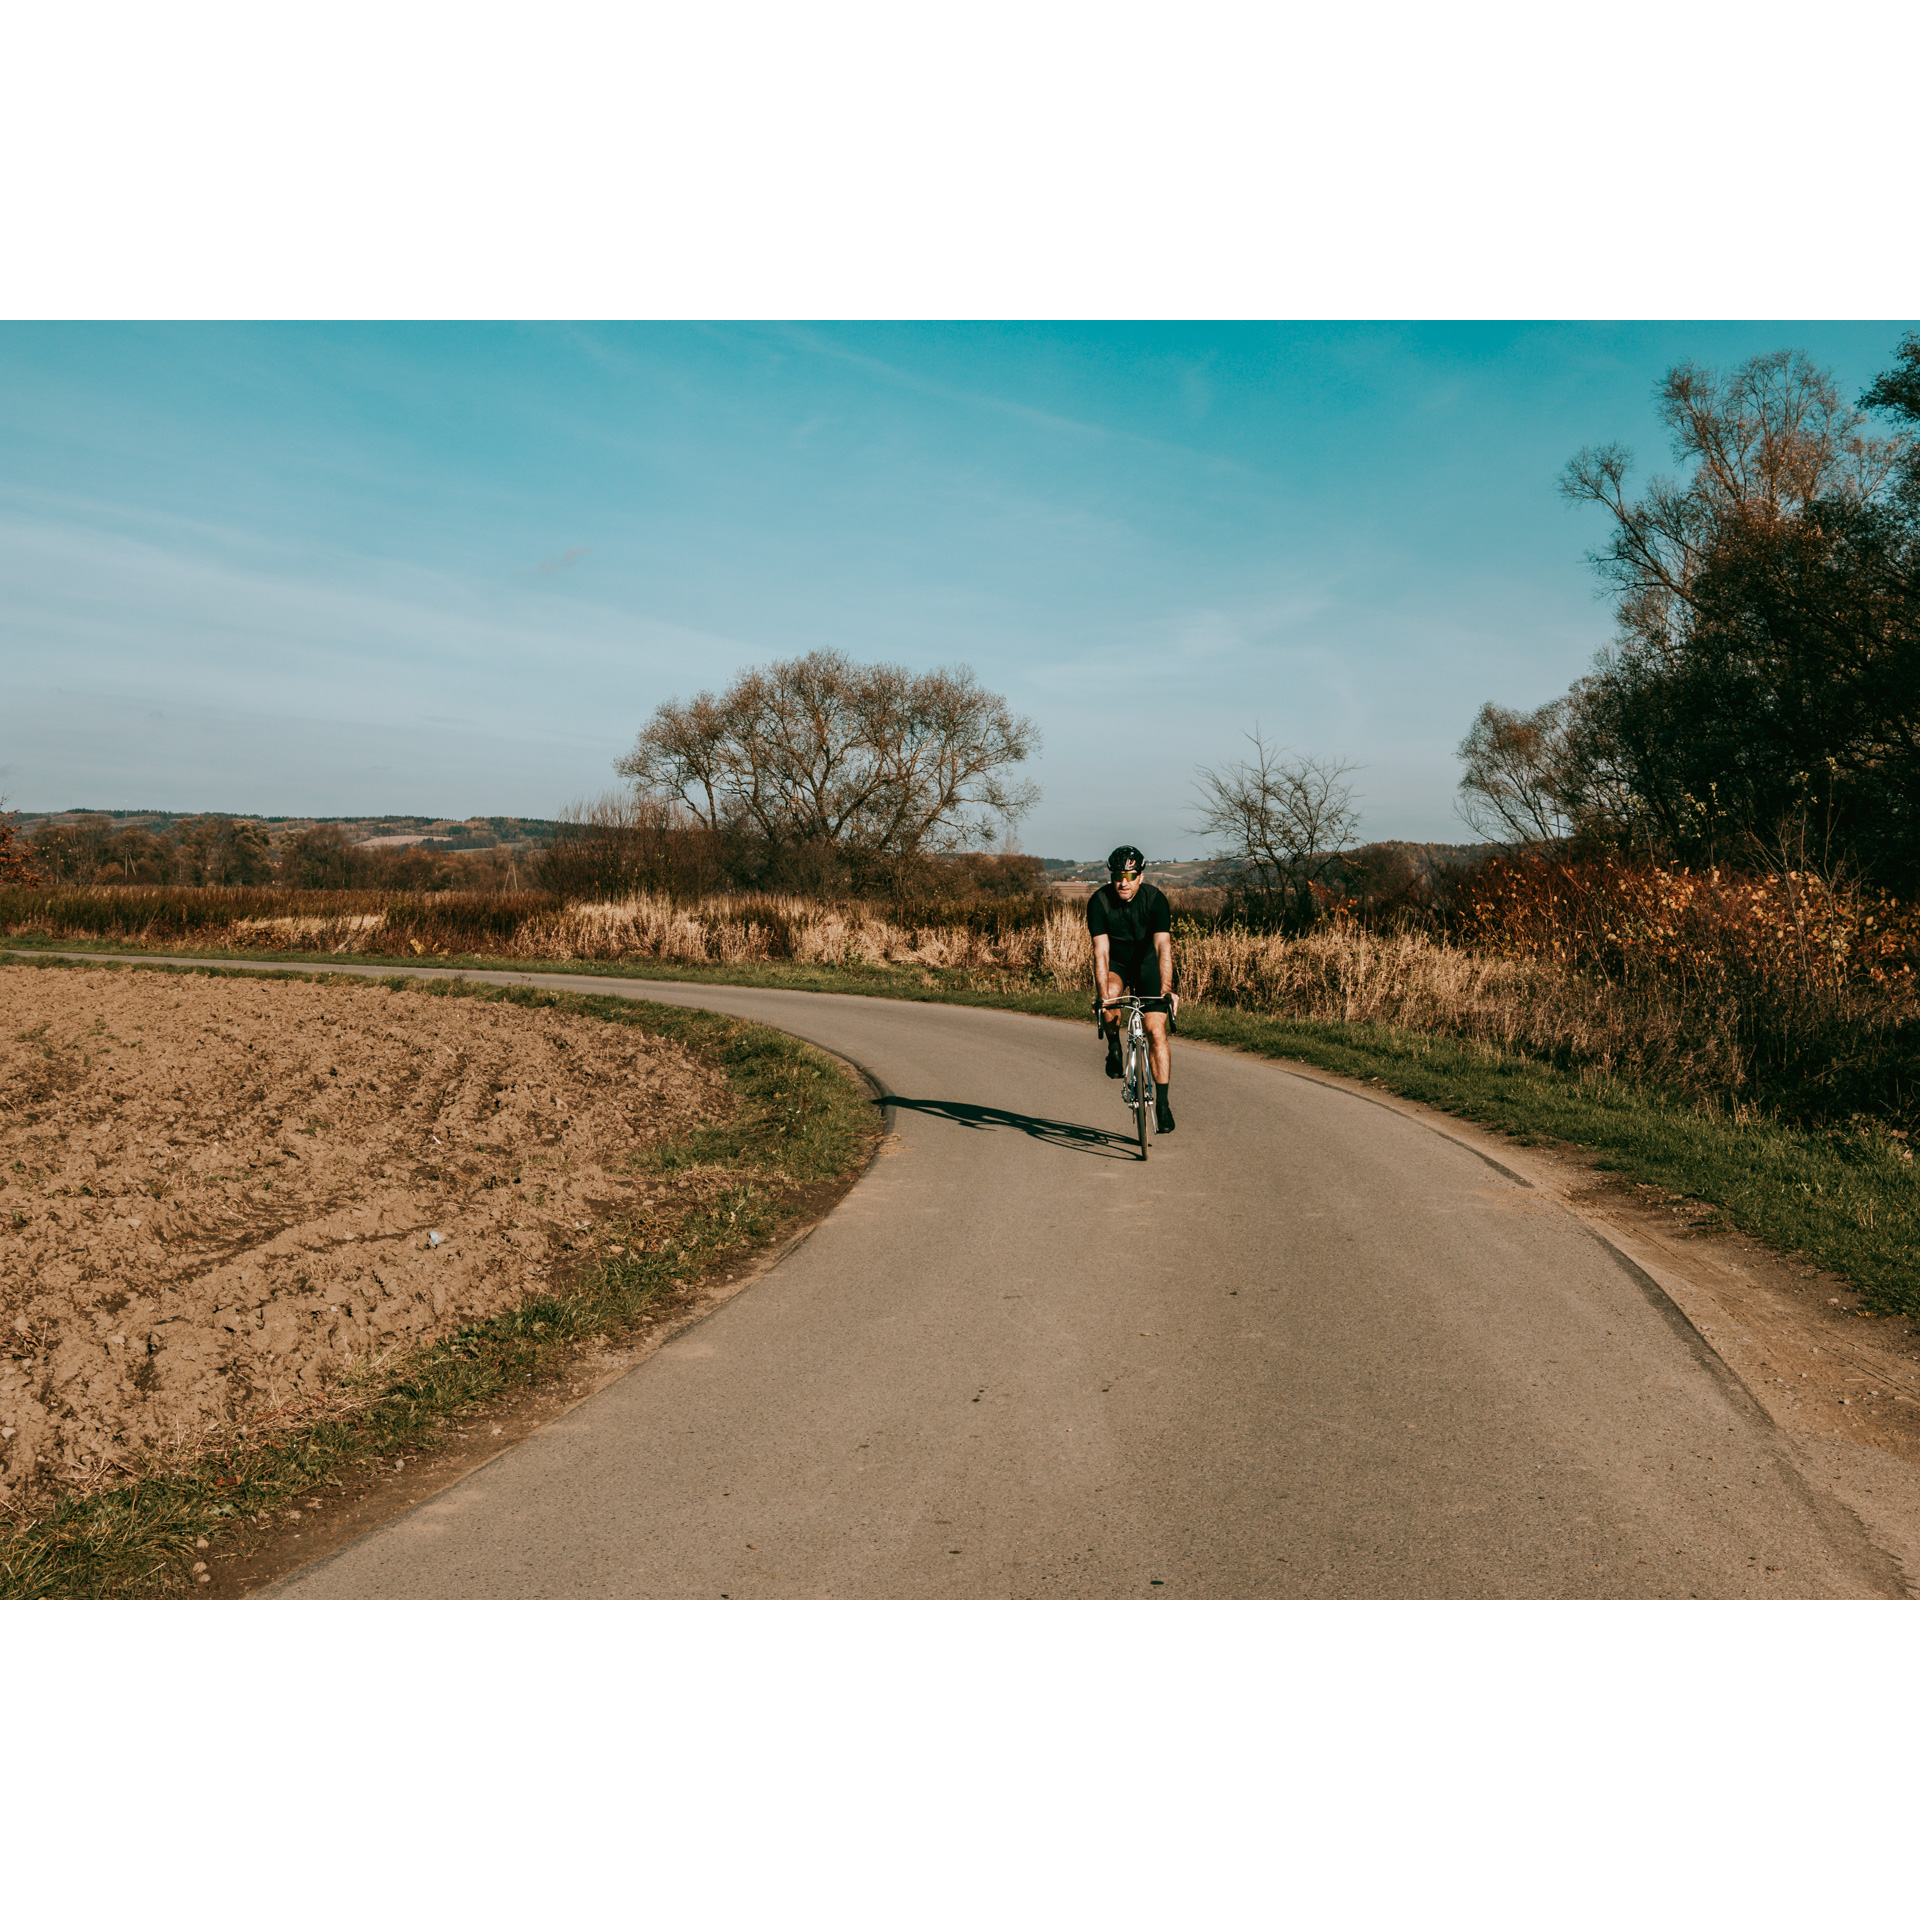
[[1139, 1083]]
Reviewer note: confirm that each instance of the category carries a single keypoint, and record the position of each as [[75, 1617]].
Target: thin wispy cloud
[[1016, 410]]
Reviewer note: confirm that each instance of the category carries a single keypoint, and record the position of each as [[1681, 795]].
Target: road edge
[[1658, 1263], [590, 1374]]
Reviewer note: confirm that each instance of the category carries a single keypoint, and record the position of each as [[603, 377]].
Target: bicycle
[[1136, 1085]]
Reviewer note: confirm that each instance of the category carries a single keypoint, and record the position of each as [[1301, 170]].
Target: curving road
[[1312, 1348]]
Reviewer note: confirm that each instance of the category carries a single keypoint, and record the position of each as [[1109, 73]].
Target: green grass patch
[[801, 1124]]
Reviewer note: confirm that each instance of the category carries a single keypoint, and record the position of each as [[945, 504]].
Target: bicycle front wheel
[[1143, 1093]]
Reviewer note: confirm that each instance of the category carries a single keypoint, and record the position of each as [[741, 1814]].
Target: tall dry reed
[[1344, 973], [1822, 1050]]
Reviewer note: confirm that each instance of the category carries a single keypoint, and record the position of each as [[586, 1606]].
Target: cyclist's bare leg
[[1114, 988]]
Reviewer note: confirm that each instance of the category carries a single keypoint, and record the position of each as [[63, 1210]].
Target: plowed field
[[223, 1201]]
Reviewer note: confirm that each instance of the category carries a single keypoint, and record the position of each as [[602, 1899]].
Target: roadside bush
[[1793, 930], [619, 845], [463, 922], [624, 845], [17, 867], [135, 913]]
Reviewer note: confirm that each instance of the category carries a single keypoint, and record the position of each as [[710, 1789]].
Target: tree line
[[213, 850], [815, 776], [1759, 706]]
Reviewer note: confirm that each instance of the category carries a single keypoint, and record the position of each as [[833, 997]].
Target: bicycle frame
[[1136, 1086]]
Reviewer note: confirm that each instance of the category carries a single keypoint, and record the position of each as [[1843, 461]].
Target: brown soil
[[218, 1196]]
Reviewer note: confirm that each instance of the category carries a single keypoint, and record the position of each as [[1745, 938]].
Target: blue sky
[[452, 568]]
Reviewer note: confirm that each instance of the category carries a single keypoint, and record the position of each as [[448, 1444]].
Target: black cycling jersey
[[1130, 926]]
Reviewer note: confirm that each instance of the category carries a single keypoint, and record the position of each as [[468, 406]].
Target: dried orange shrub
[[1791, 930]]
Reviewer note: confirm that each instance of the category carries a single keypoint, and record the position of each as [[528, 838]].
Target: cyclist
[[1132, 930]]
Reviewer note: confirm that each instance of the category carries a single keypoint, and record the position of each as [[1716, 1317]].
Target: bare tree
[[1284, 822], [1514, 788], [826, 753]]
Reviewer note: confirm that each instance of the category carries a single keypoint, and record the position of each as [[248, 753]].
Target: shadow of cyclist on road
[[1055, 1133]]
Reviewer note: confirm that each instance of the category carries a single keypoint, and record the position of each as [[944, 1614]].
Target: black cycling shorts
[[1138, 968]]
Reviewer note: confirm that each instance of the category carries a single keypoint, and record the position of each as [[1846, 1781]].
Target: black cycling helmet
[[1126, 860]]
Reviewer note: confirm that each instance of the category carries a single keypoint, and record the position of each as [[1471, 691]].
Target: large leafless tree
[[824, 752]]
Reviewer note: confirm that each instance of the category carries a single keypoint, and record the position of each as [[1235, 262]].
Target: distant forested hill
[[475, 832]]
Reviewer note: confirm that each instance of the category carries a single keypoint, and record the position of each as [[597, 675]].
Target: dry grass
[[726, 930], [742, 929], [1345, 973], [1807, 1048], [1695, 1015]]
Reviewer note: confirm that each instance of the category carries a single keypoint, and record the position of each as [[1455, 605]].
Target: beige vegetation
[[1709, 1011], [223, 1203], [1342, 971], [723, 930], [1347, 974]]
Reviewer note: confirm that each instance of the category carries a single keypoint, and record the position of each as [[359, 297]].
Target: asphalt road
[[1311, 1348]]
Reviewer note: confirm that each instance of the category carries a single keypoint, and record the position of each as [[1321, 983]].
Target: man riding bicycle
[[1132, 930]]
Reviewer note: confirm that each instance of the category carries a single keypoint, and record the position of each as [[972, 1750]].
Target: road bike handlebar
[[1146, 1002]]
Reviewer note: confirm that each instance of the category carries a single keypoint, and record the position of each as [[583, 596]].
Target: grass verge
[[801, 1128]]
